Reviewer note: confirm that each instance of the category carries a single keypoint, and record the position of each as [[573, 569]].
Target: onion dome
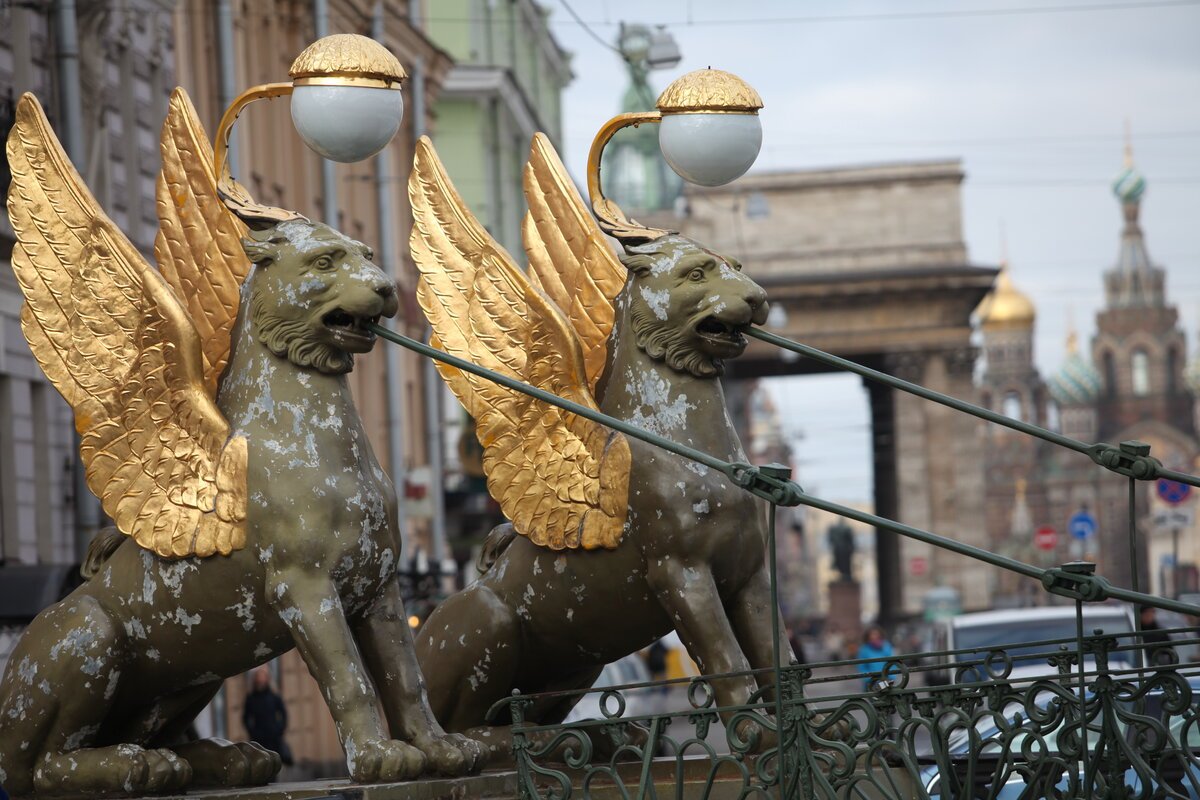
[[1006, 306], [1077, 382], [1129, 185]]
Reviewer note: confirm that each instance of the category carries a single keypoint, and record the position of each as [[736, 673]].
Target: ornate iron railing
[[1106, 720]]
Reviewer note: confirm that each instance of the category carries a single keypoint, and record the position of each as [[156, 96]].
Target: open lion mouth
[[350, 328], [721, 333]]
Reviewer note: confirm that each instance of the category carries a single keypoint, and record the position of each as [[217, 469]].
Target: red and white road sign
[[1045, 538], [918, 566]]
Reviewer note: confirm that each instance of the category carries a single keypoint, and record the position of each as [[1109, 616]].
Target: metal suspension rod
[[786, 492], [916, 389], [1113, 458]]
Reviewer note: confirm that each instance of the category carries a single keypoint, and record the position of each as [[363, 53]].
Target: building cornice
[[940, 170], [468, 80]]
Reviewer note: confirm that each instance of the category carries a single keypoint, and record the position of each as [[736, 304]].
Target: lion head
[[312, 293], [689, 306]]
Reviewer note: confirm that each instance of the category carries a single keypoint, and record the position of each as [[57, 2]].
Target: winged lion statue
[[218, 430], [612, 543]]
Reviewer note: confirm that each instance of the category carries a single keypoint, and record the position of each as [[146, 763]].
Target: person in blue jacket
[[876, 647]]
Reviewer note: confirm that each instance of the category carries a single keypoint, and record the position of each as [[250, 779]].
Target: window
[[1011, 406], [1110, 374], [1140, 376], [8, 110], [1172, 370]]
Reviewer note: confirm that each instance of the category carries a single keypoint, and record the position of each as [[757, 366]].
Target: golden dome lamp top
[[709, 91], [347, 59]]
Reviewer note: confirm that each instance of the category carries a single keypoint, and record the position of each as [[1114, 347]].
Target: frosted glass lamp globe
[[346, 123], [710, 149]]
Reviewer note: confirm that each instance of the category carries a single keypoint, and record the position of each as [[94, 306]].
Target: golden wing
[[114, 340], [561, 479], [569, 258], [199, 242]]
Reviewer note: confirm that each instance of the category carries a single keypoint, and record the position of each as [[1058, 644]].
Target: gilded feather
[[561, 479], [199, 242], [114, 339], [569, 258]]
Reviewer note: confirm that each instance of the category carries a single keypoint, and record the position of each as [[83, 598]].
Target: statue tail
[[102, 546], [494, 546]]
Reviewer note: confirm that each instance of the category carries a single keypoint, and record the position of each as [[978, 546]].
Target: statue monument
[[841, 544], [845, 592], [612, 543], [219, 432]]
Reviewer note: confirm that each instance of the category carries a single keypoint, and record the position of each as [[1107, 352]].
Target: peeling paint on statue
[[314, 574], [693, 553]]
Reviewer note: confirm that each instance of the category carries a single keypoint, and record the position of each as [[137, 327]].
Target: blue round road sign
[[1172, 492], [1082, 525]]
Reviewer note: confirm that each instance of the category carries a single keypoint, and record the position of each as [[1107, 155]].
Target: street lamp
[[663, 51], [346, 106], [710, 135]]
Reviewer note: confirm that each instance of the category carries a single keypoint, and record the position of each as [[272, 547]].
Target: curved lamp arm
[[610, 216], [232, 193]]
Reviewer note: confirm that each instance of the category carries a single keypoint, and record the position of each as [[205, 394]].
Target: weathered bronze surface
[[691, 556], [274, 477]]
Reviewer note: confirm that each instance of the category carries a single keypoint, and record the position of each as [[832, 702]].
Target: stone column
[[887, 544], [939, 479]]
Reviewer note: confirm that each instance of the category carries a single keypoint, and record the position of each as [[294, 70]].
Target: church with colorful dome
[[1131, 381]]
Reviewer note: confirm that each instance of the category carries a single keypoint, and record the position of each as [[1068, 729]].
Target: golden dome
[[709, 90], [346, 58], [1006, 306]]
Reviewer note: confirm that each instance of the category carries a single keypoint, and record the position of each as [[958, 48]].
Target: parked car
[[991, 740], [1014, 630]]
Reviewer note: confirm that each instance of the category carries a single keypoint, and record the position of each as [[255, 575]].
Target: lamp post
[[710, 135], [346, 106]]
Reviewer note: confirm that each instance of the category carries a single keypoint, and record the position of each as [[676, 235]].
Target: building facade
[[506, 85], [1130, 386]]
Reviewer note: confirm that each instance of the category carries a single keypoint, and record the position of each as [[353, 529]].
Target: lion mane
[[663, 339], [286, 329]]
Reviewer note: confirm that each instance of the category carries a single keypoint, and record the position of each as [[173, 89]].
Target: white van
[[1012, 631]]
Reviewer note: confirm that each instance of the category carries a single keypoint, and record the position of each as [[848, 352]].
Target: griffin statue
[[613, 543], [219, 432]]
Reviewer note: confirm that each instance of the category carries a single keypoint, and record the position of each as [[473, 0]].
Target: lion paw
[[383, 761], [124, 767], [453, 754], [216, 762]]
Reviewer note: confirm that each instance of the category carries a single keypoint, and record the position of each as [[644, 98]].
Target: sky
[[1032, 96]]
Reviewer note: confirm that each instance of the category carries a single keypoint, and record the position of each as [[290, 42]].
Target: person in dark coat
[[265, 716]]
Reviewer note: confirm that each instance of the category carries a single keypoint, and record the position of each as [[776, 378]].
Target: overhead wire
[[886, 16]]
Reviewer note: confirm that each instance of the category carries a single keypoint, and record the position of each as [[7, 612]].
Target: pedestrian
[[878, 649], [656, 660], [265, 716]]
